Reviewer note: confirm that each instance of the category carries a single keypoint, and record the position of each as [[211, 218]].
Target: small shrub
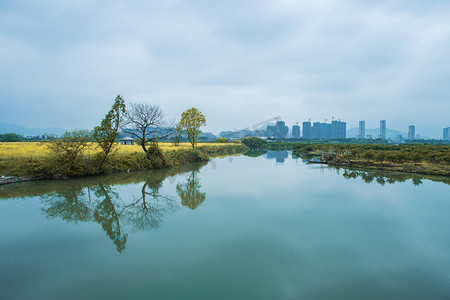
[[222, 140], [254, 143], [156, 157]]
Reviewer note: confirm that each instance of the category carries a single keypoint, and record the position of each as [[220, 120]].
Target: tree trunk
[[143, 141]]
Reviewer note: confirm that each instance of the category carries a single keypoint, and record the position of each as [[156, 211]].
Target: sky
[[62, 63]]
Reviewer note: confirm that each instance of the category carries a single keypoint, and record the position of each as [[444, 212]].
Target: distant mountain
[[390, 133], [25, 131]]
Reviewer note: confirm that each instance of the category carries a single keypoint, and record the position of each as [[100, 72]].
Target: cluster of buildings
[[337, 129], [333, 130], [316, 130]]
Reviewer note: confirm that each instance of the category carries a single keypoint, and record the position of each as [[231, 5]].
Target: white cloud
[[239, 62]]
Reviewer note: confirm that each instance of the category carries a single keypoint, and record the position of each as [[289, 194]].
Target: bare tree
[[146, 123]]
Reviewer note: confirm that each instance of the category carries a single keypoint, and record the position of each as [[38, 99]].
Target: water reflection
[[97, 199], [69, 205], [106, 214], [383, 178], [189, 191], [149, 197], [279, 156], [369, 176], [255, 153], [147, 211]]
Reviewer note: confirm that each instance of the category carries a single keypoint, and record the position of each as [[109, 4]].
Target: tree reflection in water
[[95, 199], [148, 210], [382, 177], [107, 215], [69, 205], [75, 204], [190, 193]]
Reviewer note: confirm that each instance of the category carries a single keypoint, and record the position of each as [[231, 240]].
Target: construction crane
[[257, 125], [277, 118]]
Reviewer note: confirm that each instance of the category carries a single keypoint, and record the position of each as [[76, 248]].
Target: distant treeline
[[12, 137]]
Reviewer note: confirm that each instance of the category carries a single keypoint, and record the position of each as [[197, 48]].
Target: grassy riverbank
[[417, 158], [29, 159]]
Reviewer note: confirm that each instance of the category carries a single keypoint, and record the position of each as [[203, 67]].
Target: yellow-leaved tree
[[191, 121]]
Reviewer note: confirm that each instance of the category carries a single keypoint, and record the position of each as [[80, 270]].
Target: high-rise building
[[362, 130], [270, 130], [296, 132], [315, 131], [382, 129], [307, 130], [328, 131], [321, 131], [412, 132], [446, 134], [338, 130], [335, 130], [281, 130]]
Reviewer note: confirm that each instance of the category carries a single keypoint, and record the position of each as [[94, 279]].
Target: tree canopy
[[106, 133], [191, 120]]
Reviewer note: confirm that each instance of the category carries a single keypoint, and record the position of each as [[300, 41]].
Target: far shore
[[423, 168]]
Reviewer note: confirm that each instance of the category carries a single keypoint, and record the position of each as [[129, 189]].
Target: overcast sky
[[62, 63]]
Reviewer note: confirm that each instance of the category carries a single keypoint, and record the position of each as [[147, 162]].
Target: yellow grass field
[[19, 150]]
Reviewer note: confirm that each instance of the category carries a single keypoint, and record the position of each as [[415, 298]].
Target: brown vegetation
[[418, 158]]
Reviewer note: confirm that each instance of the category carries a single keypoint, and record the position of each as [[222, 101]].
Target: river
[[258, 226]]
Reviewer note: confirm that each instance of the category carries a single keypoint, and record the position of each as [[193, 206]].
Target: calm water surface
[[267, 227]]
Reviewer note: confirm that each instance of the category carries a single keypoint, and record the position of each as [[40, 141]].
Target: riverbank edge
[[422, 168], [16, 179], [207, 153]]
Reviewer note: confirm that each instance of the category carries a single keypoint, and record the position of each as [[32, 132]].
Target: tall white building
[[446, 135], [412, 132], [382, 129], [362, 130]]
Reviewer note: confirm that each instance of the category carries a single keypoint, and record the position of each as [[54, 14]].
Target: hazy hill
[[390, 133], [25, 131]]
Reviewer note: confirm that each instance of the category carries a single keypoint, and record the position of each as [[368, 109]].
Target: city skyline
[[336, 129], [294, 131], [382, 127]]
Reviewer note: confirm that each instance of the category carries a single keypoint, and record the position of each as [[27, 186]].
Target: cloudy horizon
[[239, 62]]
